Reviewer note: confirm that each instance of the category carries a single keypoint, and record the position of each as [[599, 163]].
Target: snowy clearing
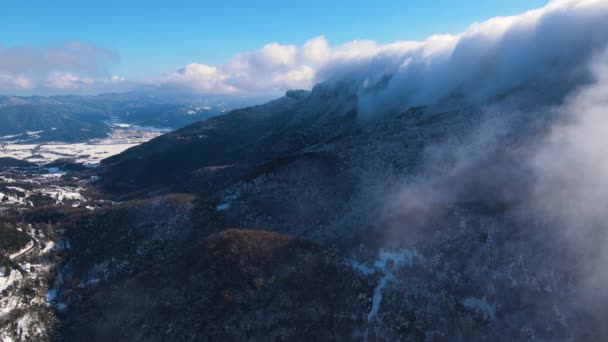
[[89, 153]]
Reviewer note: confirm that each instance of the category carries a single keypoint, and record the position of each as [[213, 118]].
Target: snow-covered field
[[26, 301], [91, 152], [44, 184], [21, 188]]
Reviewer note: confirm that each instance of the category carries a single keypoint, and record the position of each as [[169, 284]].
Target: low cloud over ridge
[[540, 48], [543, 49]]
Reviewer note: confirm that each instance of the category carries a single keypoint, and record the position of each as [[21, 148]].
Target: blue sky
[[151, 37]]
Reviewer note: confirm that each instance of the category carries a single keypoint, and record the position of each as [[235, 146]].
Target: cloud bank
[[542, 54], [71, 67], [571, 171], [542, 50], [536, 151]]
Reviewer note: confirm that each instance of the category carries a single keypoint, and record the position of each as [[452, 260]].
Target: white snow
[[7, 281], [34, 132], [11, 199], [361, 267], [23, 324], [32, 258], [225, 205], [60, 194], [23, 250], [197, 109], [123, 137], [51, 295], [48, 247], [23, 310], [152, 129], [16, 188], [6, 137], [387, 261]]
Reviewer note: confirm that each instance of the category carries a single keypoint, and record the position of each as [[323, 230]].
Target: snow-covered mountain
[[452, 189]]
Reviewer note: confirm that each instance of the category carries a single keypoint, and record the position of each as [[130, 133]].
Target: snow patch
[[29, 246], [48, 247], [123, 137], [385, 264], [51, 295], [225, 205], [34, 132]]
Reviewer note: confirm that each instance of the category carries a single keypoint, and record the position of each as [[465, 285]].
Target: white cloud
[[70, 56], [15, 82], [316, 50], [539, 47], [71, 66], [571, 166], [542, 51], [490, 56], [70, 83], [65, 81], [198, 78], [273, 68], [271, 56]]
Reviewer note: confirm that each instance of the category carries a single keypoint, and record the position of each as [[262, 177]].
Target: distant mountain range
[[77, 118]]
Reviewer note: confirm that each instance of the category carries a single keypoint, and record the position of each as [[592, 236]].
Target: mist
[[526, 165], [540, 55], [571, 189], [534, 88]]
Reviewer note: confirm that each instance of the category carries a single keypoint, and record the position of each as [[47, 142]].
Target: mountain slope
[[77, 118], [456, 188], [221, 144], [246, 279], [401, 209]]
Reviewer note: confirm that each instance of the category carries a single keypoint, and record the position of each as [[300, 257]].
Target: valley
[[448, 189], [90, 152], [49, 179], [26, 311], [40, 185]]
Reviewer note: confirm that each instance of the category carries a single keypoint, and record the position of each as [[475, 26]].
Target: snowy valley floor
[[30, 245]]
